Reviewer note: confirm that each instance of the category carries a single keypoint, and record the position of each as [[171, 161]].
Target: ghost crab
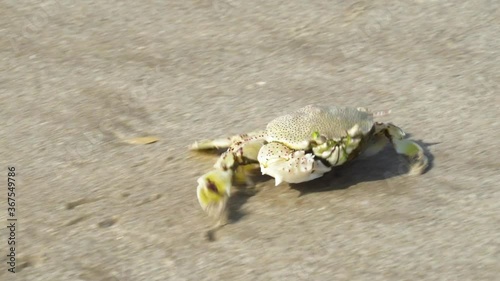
[[298, 147]]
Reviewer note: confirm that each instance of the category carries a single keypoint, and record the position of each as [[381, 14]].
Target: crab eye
[[319, 139], [211, 186]]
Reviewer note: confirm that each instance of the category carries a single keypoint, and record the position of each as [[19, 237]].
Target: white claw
[[277, 181], [286, 165]]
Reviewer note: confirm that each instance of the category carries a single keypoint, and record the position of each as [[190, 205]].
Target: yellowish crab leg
[[224, 142], [214, 187], [418, 160], [415, 153]]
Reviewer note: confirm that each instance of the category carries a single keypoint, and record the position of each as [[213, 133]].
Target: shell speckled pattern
[[296, 129]]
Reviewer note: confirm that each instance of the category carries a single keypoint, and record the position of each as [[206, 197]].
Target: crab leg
[[214, 187], [225, 142], [394, 134]]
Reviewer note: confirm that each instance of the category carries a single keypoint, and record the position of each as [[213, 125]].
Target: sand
[[79, 80]]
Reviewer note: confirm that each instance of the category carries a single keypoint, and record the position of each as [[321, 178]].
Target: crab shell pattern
[[299, 147]]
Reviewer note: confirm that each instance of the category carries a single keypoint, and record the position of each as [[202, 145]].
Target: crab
[[299, 147]]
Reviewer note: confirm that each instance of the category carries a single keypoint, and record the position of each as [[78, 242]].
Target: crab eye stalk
[[315, 135], [318, 138]]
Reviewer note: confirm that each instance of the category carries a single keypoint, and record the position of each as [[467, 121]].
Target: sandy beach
[[81, 82]]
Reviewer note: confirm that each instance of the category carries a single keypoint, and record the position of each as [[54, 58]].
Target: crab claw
[[287, 165], [213, 192]]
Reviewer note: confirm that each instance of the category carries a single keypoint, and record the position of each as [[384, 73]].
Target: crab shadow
[[376, 168], [384, 165], [241, 196]]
